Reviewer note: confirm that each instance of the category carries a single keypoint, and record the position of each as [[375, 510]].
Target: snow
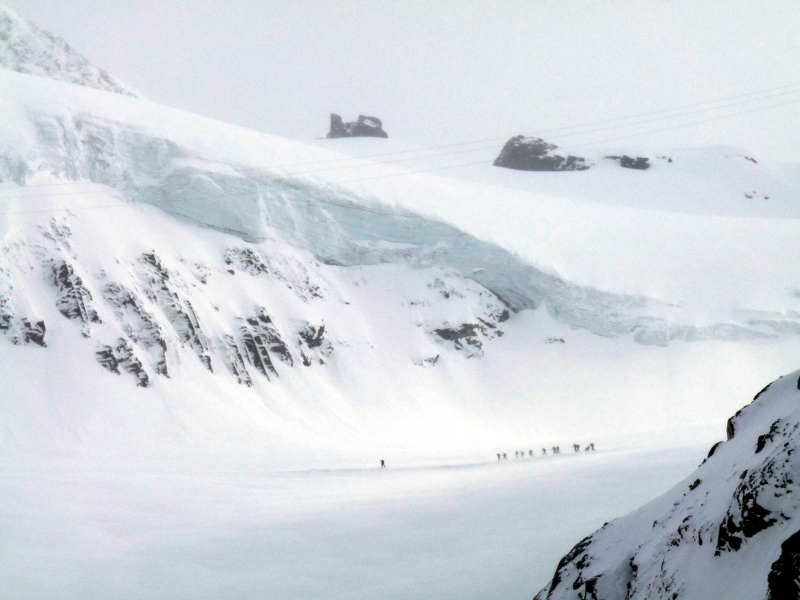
[[718, 285], [698, 270], [671, 289], [460, 531], [378, 316], [26, 48], [718, 532]]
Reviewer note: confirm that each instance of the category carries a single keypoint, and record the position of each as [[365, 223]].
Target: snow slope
[[26, 48], [231, 291], [213, 335], [728, 530]]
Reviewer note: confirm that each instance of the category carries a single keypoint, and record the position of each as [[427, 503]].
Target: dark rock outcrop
[[236, 362], [139, 325], [469, 337], [121, 356], [23, 331], [535, 154], [253, 263], [783, 580], [74, 299], [258, 344], [30, 332], [314, 345], [365, 126], [631, 162], [164, 291], [262, 340], [466, 335]]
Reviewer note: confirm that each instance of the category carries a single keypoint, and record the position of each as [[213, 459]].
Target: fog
[[454, 70]]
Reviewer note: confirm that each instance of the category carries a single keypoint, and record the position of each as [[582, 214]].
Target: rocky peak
[[365, 126], [738, 508], [26, 48], [535, 154]]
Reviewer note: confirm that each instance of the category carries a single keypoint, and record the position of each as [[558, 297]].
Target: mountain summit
[[26, 48]]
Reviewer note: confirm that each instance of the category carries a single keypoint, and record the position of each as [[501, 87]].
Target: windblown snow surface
[[190, 310]]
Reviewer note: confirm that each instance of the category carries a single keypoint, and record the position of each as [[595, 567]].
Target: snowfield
[[460, 531]]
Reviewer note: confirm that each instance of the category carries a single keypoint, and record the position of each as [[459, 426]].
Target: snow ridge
[[26, 48], [729, 530]]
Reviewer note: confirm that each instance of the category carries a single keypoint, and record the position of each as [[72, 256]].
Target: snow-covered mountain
[[728, 530], [226, 288], [26, 48]]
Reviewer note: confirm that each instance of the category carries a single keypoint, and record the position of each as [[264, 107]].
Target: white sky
[[441, 71]]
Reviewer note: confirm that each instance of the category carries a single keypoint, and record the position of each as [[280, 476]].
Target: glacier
[[339, 224], [197, 260]]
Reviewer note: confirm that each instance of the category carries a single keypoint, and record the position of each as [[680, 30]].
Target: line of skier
[[554, 450], [501, 456]]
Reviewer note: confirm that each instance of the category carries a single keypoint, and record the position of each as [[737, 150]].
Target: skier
[[383, 464], [505, 457], [576, 447], [530, 453], [499, 457], [544, 451]]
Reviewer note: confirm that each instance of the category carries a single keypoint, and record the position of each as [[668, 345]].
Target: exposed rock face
[[535, 154], [138, 324], [74, 299], [22, 330], [631, 162], [639, 162], [469, 337], [163, 290], [294, 275], [261, 341], [711, 533], [121, 356], [365, 126], [314, 346], [784, 576], [19, 329], [163, 310]]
